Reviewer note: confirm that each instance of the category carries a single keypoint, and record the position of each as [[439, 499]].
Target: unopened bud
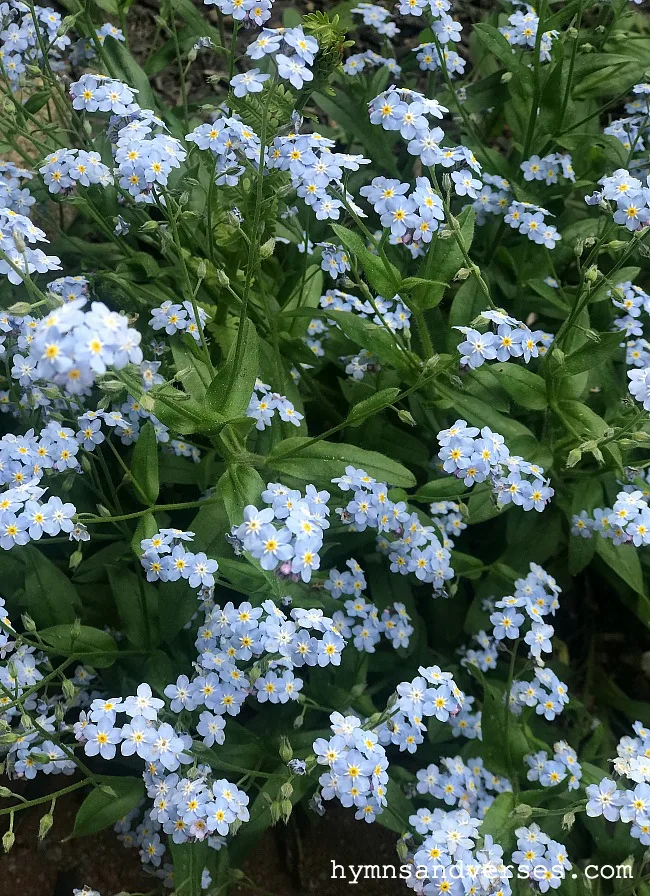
[[201, 269], [183, 199], [462, 274], [28, 622], [45, 826], [20, 308], [446, 182], [286, 790], [102, 510], [402, 850], [75, 629], [523, 810], [19, 242], [148, 226], [586, 48], [8, 840], [579, 248], [591, 274], [572, 33], [191, 56], [286, 750], [111, 386], [506, 77], [68, 688], [267, 249], [275, 810], [75, 559], [286, 809], [5, 793], [222, 278]]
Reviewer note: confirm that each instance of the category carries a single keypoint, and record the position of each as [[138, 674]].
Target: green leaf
[[499, 821], [101, 808], [137, 605], [624, 560], [327, 460], [50, 596], [144, 463], [239, 486], [36, 101], [125, 68], [480, 414], [504, 742], [592, 354], [360, 412], [194, 373], [440, 490], [525, 387], [230, 391], [383, 277], [189, 861], [92, 645], [495, 42], [423, 291], [373, 337], [444, 258]]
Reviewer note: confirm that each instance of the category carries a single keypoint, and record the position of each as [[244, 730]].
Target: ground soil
[[288, 861]]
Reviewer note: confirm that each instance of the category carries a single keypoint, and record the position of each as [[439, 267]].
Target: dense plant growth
[[325, 399]]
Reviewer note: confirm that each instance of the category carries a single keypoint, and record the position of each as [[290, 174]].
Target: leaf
[[125, 68], [499, 820], [504, 742], [382, 276], [239, 486], [423, 291], [444, 258], [592, 354], [189, 861], [137, 605], [327, 460], [373, 337], [194, 373], [100, 809], [495, 42], [50, 596], [92, 645], [144, 464], [479, 414], [360, 412], [624, 560], [525, 387], [230, 391], [440, 490]]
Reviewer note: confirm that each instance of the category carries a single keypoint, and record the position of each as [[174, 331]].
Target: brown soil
[[288, 861]]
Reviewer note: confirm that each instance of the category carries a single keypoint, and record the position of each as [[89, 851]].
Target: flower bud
[[446, 182], [286, 790], [20, 308], [523, 810], [201, 269], [462, 274], [591, 274], [45, 825], [222, 278], [506, 77], [148, 226], [28, 622], [8, 840], [75, 559], [286, 809], [286, 751]]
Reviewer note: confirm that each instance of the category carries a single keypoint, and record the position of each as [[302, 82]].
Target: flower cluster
[[632, 804], [414, 217], [476, 460], [264, 404], [512, 339], [65, 169], [430, 59], [628, 521], [465, 784], [409, 545], [249, 12], [71, 346], [293, 546], [629, 196], [521, 31], [144, 159], [233, 145], [530, 220], [378, 18], [293, 52], [357, 764], [14, 196], [17, 234], [165, 559], [175, 317], [19, 41], [549, 168], [362, 620], [543, 861], [550, 772]]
